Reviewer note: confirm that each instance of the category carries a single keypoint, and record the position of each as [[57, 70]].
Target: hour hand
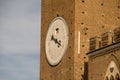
[[56, 41], [59, 43], [52, 38]]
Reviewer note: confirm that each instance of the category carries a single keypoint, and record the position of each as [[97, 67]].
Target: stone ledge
[[104, 49]]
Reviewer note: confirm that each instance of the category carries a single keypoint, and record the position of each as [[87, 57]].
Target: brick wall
[[99, 62], [50, 10], [85, 19]]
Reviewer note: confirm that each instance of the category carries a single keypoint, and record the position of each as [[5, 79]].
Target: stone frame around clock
[[50, 62]]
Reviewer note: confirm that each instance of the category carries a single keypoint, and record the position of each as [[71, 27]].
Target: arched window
[[112, 72]]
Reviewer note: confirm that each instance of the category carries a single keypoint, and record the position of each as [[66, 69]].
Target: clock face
[[56, 40]]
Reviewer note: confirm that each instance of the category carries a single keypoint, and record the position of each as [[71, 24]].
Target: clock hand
[[52, 38], [59, 43], [56, 41]]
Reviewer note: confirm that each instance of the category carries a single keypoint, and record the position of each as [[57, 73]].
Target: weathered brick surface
[[99, 63], [50, 10], [90, 18], [98, 16]]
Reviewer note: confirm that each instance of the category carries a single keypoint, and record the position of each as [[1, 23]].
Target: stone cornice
[[104, 49]]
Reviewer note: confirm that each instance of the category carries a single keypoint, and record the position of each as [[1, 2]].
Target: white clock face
[[56, 40]]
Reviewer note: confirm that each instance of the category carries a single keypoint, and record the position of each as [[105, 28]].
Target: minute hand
[[56, 41]]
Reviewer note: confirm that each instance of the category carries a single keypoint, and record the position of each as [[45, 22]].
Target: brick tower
[[84, 19]]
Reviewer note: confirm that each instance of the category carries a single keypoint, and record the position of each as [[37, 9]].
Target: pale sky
[[19, 39]]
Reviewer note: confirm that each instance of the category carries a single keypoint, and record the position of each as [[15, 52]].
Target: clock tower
[[66, 27], [57, 40], [61, 56]]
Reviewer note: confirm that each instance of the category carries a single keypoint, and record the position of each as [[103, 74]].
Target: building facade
[[66, 27], [104, 57], [104, 64]]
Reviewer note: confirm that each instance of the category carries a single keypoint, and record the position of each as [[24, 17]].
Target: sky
[[20, 39]]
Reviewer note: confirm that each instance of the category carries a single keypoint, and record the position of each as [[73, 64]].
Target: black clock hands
[[56, 40]]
